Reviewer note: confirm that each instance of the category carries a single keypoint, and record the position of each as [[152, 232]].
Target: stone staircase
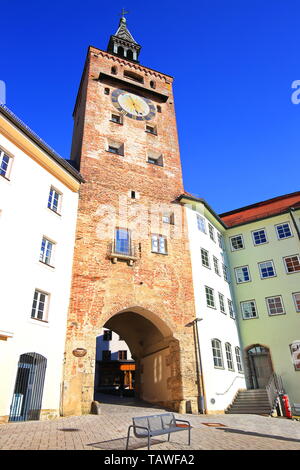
[[250, 402]]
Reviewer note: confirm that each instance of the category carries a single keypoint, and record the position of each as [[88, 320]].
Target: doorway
[[260, 366], [28, 393]]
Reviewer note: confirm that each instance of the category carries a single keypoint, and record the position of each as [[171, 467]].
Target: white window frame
[[256, 231], [229, 357], [211, 231], [260, 271], [3, 154], [291, 256], [43, 254], [157, 246], [231, 245], [201, 223], [238, 358], [216, 266], [231, 309], [295, 302], [280, 225], [216, 346], [205, 257], [220, 240], [243, 310], [50, 204], [210, 296], [35, 309], [222, 303], [236, 274], [269, 307]]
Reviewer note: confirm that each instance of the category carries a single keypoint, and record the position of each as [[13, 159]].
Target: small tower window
[[106, 91], [155, 159], [121, 51], [153, 84], [158, 109], [129, 54], [114, 70], [117, 118], [133, 195], [151, 129], [133, 76]]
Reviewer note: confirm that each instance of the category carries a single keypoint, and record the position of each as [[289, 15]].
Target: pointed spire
[[122, 42]]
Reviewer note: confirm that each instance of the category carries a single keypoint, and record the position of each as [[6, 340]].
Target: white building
[[38, 209], [220, 370]]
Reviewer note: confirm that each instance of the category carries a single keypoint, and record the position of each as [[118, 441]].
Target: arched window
[[121, 51], [217, 353], [114, 70], [152, 84], [229, 357], [129, 54]]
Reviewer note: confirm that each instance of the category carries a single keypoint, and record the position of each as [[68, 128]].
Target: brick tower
[[132, 270]]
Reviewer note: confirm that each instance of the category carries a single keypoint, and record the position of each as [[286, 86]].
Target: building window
[[151, 129], [210, 298], [259, 237], [168, 218], [242, 274], [5, 164], [106, 355], [159, 244], [229, 357], [222, 303], [46, 253], [107, 335], [249, 309], [231, 309], [155, 159], [152, 84], [201, 223], [114, 70], [116, 148], [216, 266], [133, 76], [211, 232], [116, 118], [275, 305], [220, 240], [122, 355], [54, 200], [237, 242], [283, 231], [292, 263], [158, 108], [225, 273], [39, 309], [106, 91], [266, 269], [238, 359], [296, 297], [205, 258], [217, 353], [122, 241]]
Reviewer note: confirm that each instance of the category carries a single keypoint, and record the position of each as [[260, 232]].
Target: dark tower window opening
[[114, 70], [153, 84], [121, 51], [129, 54], [133, 76], [106, 91]]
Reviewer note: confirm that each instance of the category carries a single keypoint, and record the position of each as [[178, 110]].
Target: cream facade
[[216, 334], [38, 204], [264, 257]]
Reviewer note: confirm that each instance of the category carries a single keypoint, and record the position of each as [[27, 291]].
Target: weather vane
[[124, 12]]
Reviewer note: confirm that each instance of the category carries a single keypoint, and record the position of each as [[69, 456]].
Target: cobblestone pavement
[[108, 430]]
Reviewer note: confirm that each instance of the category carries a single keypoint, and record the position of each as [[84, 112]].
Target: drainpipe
[[200, 382]]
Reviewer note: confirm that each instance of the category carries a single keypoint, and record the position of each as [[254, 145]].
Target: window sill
[[127, 257], [116, 122], [158, 253], [114, 153], [155, 164], [47, 264], [151, 133], [37, 321], [5, 177], [54, 212]]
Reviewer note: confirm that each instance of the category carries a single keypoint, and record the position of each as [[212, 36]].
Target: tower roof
[[122, 42]]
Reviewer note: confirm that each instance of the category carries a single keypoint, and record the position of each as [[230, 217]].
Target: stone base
[[48, 415], [4, 419], [215, 412]]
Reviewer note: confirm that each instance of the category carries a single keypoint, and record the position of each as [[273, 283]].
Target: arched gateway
[[164, 362]]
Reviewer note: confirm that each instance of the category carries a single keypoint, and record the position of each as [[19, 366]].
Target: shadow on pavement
[[257, 434], [120, 444], [124, 401]]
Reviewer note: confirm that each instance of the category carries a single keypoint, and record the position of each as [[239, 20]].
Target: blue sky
[[233, 62]]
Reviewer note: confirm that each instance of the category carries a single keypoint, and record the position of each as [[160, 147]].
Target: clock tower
[[132, 270]]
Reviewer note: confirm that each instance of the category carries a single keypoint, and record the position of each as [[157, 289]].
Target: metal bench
[[157, 425]]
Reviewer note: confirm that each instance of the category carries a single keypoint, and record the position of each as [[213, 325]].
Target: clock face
[[133, 106]]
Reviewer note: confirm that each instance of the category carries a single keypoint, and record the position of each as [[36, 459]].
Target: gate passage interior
[[27, 398]]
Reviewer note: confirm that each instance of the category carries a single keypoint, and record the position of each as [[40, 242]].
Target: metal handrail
[[274, 389], [236, 377]]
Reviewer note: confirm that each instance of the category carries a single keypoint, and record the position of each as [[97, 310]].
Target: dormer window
[[121, 51], [129, 54]]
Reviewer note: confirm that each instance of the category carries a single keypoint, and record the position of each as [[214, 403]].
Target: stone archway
[[259, 367], [164, 370]]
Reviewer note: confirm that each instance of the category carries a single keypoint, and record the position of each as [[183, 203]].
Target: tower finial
[[123, 13]]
